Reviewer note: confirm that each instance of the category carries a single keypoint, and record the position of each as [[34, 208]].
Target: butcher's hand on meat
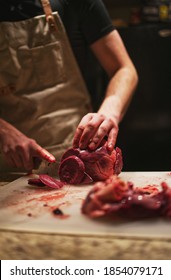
[[92, 129], [20, 151]]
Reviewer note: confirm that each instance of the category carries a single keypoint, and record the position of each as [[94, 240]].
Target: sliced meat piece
[[51, 182], [46, 180], [35, 182], [71, 170], [70, 152]]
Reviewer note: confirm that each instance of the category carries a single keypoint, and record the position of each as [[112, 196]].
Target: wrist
[[111, 108]]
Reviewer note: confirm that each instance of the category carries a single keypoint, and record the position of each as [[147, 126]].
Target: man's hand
[[92, 129], [19, 150]]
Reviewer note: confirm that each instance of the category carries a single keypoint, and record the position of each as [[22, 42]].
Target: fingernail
[[110, 146], [92, 146], [52, 158]]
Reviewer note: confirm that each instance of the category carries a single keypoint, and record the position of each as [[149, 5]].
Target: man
[[43, 99]]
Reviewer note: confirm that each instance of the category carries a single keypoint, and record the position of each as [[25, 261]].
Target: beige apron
[[42, 92]]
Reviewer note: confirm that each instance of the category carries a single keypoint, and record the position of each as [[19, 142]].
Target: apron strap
[[49, 14]]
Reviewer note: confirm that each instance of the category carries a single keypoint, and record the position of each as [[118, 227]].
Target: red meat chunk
[[95, 165], [114, 196]]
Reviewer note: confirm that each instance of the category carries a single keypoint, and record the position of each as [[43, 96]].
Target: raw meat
[[86, 166], [35, 182], [122, 199], [72, 170], [46, 180]]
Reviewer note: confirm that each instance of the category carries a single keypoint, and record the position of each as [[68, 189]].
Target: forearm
[[111, 53], [119, 93]]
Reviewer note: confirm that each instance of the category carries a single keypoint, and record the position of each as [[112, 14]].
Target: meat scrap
[[46, 180], [119, 198], [36, 182], [86, 166]]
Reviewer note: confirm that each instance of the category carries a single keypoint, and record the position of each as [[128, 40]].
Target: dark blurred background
[[145, 132]]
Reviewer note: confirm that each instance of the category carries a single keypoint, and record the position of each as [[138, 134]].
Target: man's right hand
[[20, 151]]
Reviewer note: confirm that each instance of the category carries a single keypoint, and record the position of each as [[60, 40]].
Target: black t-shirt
[[85, 22]]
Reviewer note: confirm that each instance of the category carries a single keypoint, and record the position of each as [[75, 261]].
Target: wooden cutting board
[[29, 208]]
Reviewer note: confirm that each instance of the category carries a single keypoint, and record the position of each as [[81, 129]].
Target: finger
[[17, 160], [90, 130], [44, 154], [112, 138], [80, 129], [102, 131], [24, 155], [27, 159]]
